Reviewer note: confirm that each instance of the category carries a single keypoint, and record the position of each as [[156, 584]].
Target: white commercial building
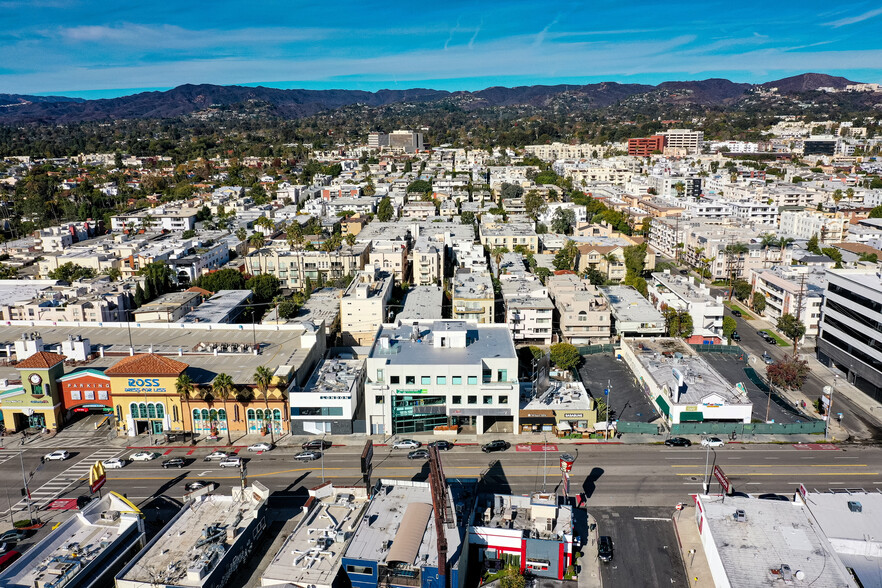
[[363, 305], [328, 402], [439, 373]]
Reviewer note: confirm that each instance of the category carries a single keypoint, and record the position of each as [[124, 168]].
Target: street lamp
[[830, 390]]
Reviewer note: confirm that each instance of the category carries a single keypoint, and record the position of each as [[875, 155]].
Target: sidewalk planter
[[446, 431]]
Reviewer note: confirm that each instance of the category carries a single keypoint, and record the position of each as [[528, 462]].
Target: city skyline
[[83, 48]]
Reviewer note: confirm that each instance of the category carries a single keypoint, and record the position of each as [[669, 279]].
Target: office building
[[646, 146], [473, 297], [683, 141], [328, 403], [363, 306]]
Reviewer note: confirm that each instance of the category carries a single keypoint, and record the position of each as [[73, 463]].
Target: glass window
[[205, 414], [395, 379], [75, 395], [488, 400], [277, 414], [441, 380], [133, 408], [151, 410], [212, 414], [502, 375], [456, 380], [473, 400], [222, 415], [379, 375], [487, 374], [425, 380], [143, 410], [250, 414], [379, 400], [473, 380], [160, 411], [260, 414], [410, 379], [503, 400], [457, 400]]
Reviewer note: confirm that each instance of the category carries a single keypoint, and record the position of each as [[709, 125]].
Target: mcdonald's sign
[[97, 476]]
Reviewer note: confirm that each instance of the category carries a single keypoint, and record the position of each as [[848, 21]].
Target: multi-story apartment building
[[168, 218], [363, 306], [100, 259], [646, 146], [528, 311], [681, 293], [851, 328], [632, 314], [438, 373], [428, 262], [391, 256], [579, 212], [509, 235], [473, 297], [794, 290], [583, 313], [609, 260], [555, 151], [803, 224], [683, 141], [293, 267]]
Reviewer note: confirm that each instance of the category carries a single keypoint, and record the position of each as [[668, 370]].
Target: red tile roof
[[41, 360], [146, 364]]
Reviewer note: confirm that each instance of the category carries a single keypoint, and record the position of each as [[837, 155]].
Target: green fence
[[806, 428], [592, 349], [730, 349], [631, 427]]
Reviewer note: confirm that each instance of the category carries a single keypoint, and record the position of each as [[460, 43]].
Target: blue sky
[[96, 48]]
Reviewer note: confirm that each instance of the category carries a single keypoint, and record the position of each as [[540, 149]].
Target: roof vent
[[740, 516], [855, 506]]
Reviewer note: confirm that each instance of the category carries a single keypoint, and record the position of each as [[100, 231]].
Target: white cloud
[[850, 20], [175, 37]]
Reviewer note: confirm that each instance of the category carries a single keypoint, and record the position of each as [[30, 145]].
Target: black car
[[771, 341], [175, 462], [605, 548], [736, 312], [320, 444], [736, 336], [13, 536], [418, 454], [442, 445], [498, 445], [678, 442]]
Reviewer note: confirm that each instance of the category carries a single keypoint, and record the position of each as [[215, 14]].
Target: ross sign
[[144, 386], [97, 477], [722, 479]]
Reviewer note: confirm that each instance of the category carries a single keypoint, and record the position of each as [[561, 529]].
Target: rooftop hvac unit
[[110, 515], [740, 516], [855, 506]]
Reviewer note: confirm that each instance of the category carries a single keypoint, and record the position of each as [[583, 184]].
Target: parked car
[[13, 536], [771, 340], [231, 462], [144, 456], [406, 444], [497, 445], [712, 442], [308, 455], [175, 462], [678, 442], [605, 548], [763, 334], [736, 336], [260, 447], [767, 359], [321, 444], [59, 455], [7, 558], [442, 445], [418, 454], [736, 312], [216, 455], [114, 463]]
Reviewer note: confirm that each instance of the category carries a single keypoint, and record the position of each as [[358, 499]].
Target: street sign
[[722, 479], [606, 391], [367, 455]]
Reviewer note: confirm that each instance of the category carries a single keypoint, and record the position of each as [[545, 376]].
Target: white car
[[406, 444], [113, 464], [144, 456], [712, 442], [260, 447], [216, 455], [231, 462], [59, 455]]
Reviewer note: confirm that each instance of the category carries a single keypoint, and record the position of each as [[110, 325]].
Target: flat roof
[[685, 288], [470, 286], [628, 305], [218, 308], [503, 511], [561, 396], [422, 303], [774, 533], [493, 340], [334, 376], [218, 520], [13, 292]]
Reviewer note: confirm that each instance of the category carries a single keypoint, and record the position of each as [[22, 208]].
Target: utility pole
[[26, 489], [799, 296]]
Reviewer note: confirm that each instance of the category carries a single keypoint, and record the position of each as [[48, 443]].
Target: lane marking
[[807, 465], [804, 474]]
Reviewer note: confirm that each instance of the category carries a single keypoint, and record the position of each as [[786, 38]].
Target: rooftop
[[404, 348], [335, 376], [628, 305], [17, 291], [685, 288], [562, 396], [538, 515], [422, 303], [773, 533], [468, 285], [218, 308]]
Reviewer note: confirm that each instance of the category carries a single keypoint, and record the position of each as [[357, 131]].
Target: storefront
[[145, 396], [575, 421], [85, 391], [537, 421], [36, 402]]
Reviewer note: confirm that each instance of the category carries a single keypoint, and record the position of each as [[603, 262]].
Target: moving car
[[678, 442], [406, 444], [144, 456], [216, 455], [231, 462], [260, 447], [317, 444], [13, 536], [59, 455], [418, 454], [7, 558], [193, 486], [712, 442], [308, 455], [605, 548], [736, 312], [175, 462], [114, 463], [442, 445], [497, 445]]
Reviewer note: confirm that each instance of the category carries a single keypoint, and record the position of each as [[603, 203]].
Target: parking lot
[[732, 368], [628, 401], [645, 547]]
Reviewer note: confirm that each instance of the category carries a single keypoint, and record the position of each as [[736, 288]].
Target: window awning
[[543, 420], [410, 533], [691, 417], [564, 426], [663, 405]]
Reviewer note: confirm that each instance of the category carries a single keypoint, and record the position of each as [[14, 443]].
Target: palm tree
[[184, 386], [242, 234], [262, 379], [611, 260], [350, 239], [294, 233], [265, 223], [222, 387], [734, 250], [768, 240], [257, 240], [784, 243]]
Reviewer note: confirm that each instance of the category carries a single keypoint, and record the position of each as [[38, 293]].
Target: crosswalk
[[55, 487]]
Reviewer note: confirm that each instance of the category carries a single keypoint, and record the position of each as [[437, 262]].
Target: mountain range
[[187, 99]]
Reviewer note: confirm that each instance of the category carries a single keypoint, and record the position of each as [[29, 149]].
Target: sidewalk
[[589, 566], [691, 551]]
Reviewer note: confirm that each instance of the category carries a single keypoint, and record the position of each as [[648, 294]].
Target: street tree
[[792, 327], [759, 302], [565, 356], [790, 373], [729, 327]]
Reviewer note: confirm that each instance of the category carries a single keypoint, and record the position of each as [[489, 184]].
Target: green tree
[[562, 221], [789, 373], [813, 245], [511, 191], [263, 377], [542, 273], [222, 387], [729, 327], [385, 210], [792, 327], [265, 287], [566, 257], [833, 254], [224, 279], [257, 240], [635, 260], [7, 272], [869, 257], [534, 204], [742, 289], [71, 272], [419, 186], [565, 356], [185, 387], [512, 578], [241, 234], [759, 302], [678, 322]]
